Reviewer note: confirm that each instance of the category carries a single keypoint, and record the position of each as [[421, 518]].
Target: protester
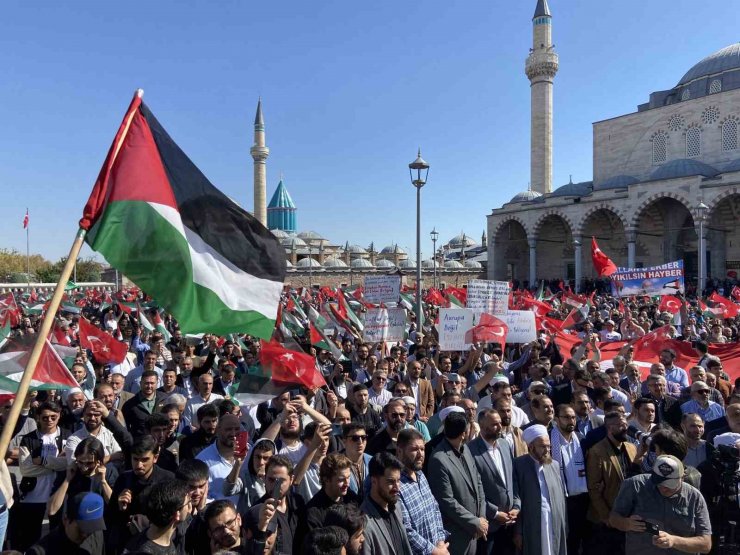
[[81, 530]]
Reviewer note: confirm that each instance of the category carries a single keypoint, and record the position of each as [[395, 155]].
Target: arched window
[[693, 142], [715, 86], [660, 147], [686, 94], [729, 135]]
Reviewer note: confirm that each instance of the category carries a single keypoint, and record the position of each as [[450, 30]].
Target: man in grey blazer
[[456, 483], [541, 525], [384, 531], [494, 459]]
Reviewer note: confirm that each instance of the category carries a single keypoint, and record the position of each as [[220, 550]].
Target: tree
[[88, 269], [14, 262]]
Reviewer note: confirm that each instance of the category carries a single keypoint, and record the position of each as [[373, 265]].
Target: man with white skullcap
[[541, 524]]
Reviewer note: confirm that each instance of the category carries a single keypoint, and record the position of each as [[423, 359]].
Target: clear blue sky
[[350, 90]]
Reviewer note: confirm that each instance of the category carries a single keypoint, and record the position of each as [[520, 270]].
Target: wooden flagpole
[[48, 321], [46, 324]]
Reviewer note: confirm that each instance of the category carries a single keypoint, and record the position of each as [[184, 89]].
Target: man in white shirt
[[92, 417], [204, 396], [502, 390], [377, 393], [609, 334], [220, 458]]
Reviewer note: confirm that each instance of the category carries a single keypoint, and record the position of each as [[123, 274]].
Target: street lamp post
[[310, 267], [422, 171], [434, 235], [702, 213]]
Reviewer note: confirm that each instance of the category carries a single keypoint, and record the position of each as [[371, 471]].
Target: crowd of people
[[408, 449]]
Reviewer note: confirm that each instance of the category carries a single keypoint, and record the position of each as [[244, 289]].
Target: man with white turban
[[541, 525]]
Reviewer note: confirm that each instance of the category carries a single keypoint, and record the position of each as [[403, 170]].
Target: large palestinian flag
[[155, 217]]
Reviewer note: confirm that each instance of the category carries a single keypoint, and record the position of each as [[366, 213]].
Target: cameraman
[[660, 512], [720, 476]]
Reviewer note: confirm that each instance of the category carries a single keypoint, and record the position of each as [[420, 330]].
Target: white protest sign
[[522, 328], [384, 324], [382, 289], [453, 324], [487, 296]]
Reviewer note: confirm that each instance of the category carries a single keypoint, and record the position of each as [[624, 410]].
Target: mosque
[[665, 180], [313, 259]]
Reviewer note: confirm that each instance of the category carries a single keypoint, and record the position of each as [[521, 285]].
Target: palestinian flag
[[160, 327], [50, 372], [155, 217]]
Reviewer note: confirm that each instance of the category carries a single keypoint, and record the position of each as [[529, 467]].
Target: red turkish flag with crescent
[[669, 303], [604, 266], [488, 330], [105, 348]]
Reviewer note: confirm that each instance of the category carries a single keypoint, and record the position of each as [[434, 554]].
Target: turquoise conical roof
[[281, 198]]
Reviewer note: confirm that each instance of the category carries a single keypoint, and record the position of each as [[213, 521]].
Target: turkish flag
[[488, 330], [651, 344], [436, 298], [669, 303], [9, 311], [604, 266], [290, 367], [540, 308], [548, 324], [105, 348], [730, 309]]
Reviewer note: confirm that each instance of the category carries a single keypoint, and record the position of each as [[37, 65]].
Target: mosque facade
[[665, 180]]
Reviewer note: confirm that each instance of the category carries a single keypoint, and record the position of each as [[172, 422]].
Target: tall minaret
[[541, 67], [260, 153]]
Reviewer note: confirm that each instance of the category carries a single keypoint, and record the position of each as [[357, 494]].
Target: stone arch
[[579, 228], [665, 225], [655, 197], [510, 244], [508, 219], [548, 214], [609, 228], [722, 233], [555, 251]]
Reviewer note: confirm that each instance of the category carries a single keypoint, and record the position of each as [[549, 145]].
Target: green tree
[[14, 262], [88, 269]]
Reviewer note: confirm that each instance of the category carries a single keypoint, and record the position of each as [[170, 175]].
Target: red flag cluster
[[604, 266]]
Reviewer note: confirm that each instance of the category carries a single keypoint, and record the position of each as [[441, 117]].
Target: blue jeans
[[3, 527]]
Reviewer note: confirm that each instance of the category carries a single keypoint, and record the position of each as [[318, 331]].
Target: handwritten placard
[[384, 324], [382, 289], [491, 297], [453, 323], [522, 327]]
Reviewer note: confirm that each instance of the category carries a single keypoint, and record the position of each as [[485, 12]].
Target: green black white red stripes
[[156, 218]]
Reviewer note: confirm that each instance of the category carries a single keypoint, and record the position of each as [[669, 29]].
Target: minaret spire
[[541, 67], [259, 153]]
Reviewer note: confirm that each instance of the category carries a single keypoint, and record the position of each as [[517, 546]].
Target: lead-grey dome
[[573, 189], [683, 167], [385, 264], [332, 262], [361, 263], [526, 196], [725, 59], [617, 182]]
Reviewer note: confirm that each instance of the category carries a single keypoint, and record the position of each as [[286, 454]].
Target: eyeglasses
[[225, 526], [378, 379], [357, 438], [704, 391], [50, 417]]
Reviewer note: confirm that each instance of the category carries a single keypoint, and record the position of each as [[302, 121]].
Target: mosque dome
[[473, 264], [332, 262], [453, 264], [461, 240], [361, 263], [683, 167], [526, 196], [617, 182], [385, 264], [573, 189], [393, 249], [280, 234], [429, 264], [292, 242], [310, 236], [725, 59], [356, 249], [407, 264], [306, 262]]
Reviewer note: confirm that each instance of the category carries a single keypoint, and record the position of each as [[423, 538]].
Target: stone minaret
[[541, 67], [260, 153]]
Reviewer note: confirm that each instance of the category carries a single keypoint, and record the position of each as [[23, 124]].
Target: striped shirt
[[421, 515]]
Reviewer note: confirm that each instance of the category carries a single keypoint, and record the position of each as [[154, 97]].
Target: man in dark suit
[[493, 458], [140, 407], [458, 488], [384, 531], [581, 381], [667, 408]]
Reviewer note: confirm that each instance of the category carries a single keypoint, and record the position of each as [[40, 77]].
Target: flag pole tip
[[139, 93]]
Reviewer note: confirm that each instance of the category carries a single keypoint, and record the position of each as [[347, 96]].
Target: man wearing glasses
[[395, 420], [355, 442], [700, 403], [378, 394], [42, 466]]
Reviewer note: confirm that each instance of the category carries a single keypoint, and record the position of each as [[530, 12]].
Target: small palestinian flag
[[155, 217]]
